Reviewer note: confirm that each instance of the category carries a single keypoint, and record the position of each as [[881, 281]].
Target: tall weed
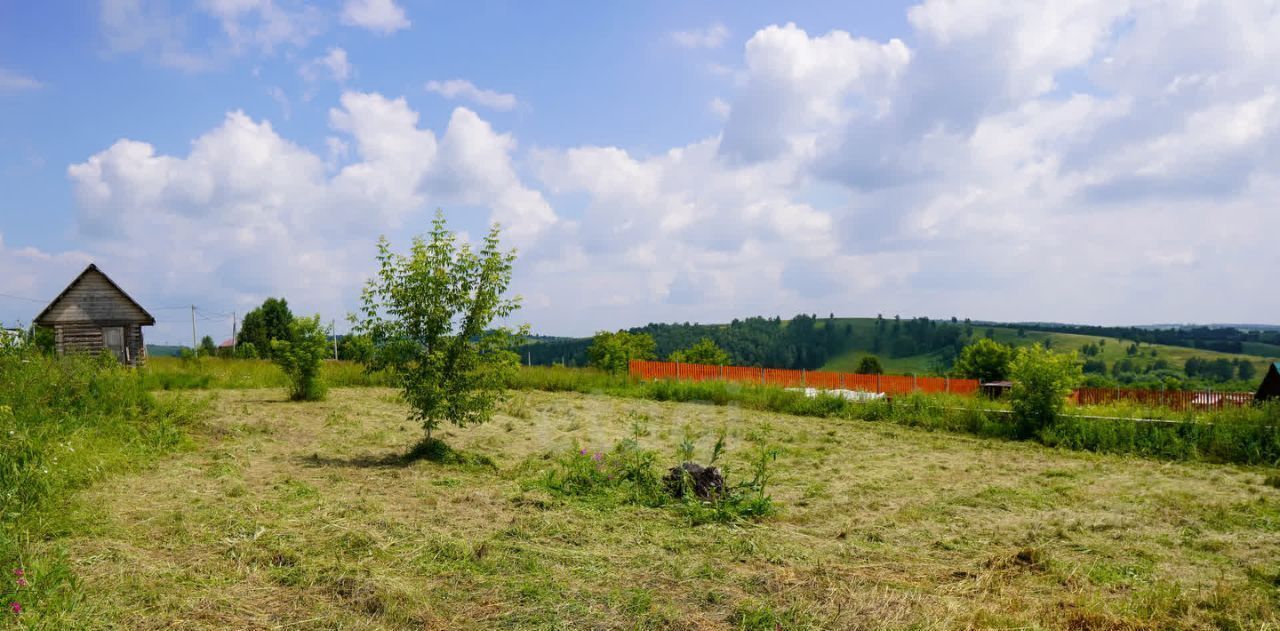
[[65, 423]]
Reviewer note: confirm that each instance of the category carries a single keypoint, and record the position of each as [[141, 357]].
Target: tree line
[[1221, 339]]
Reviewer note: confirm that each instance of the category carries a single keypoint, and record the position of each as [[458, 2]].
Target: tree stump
[[705, 482]]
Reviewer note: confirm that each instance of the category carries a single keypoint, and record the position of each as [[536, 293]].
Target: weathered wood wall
[[94, 299], [85, 337]]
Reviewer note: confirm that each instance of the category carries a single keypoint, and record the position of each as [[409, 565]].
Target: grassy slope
[[302, 515], [864, 332]]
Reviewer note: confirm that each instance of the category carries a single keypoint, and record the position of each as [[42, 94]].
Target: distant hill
[[926, 346], [162, 350]]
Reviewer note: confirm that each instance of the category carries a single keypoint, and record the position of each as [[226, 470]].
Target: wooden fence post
[[721, 372], [879, 388], [946, 384], [677, 371], [915, 383], [802, 382], [842, 381], [762, 376]]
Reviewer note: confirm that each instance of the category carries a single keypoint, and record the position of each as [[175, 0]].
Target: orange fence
[[905, 384], [888, 384], [1174, 399]]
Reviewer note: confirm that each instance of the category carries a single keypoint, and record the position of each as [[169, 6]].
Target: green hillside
[[1111, 351]]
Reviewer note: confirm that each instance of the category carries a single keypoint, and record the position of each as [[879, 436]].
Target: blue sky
[[1108, 162]]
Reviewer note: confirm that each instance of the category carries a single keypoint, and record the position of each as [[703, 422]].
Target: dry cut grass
[[307, 516]]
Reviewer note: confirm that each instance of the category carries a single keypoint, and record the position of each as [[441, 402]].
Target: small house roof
[[1270, 386], [148, 319]]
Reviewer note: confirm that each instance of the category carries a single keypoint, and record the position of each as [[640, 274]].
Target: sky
[[1109, 162]]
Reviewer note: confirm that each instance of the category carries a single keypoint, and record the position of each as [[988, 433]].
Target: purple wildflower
[[582, 452], [597, 457], [22, 582], [17, 571], [15, 607]]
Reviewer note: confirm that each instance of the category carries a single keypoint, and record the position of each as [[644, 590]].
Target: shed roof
[[51, 313]]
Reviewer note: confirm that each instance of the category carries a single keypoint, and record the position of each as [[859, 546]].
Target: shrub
[[704, 352], [628, 474], [299, 357], [1042, 381], [869, 365], [246, 350], [613, 352], [984, 360]]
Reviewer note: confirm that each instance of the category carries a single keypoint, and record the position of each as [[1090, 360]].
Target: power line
[[24, 298]]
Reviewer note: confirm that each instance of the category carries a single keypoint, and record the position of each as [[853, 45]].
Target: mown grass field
[[864, 332], [307, 516]]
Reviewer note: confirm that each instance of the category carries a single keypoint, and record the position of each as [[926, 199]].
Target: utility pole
[[194, 347], [334, 331], [234, 322]]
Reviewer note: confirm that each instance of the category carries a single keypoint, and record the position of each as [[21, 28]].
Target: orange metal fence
[[1172, 399], [905, 384], [888, 384]]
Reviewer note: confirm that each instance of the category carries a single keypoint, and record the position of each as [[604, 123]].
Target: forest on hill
[[1224, 339], [1131, 356]]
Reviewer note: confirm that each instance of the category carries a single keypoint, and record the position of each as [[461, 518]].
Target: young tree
[[704, 352], [984, 360], [869, 365], [614, 351], [43, 339], [299, 357], [268, 322], [1042, 381], [356, 348], [207, 347], [428, 315]]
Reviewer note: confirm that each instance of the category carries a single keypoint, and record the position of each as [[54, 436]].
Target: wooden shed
[[93, 314], [1270, 388]]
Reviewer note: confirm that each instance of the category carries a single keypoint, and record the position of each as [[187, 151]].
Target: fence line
[[887, 384], [1172, 399], [906, 384]]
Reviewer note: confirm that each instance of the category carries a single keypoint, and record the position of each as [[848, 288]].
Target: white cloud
[[382, 16], [247, 213], [467, 91], [31, 278], [1101, 162], [799, 87], [163, 35], [719, 107], [264, 25], [712, 36], [333, 65], [281, 99], [11, 80]]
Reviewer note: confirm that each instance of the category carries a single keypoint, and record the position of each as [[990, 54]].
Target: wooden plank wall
[[85, 337], [93, 299]]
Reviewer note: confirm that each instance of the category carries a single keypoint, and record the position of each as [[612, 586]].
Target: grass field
[[307, 516], [864, 331]]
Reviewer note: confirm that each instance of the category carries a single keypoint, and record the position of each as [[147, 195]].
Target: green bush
[[985, 360], [704, 352], [869, 365], [1042, 381], [613, 352], [628, 474], [300, 356]]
